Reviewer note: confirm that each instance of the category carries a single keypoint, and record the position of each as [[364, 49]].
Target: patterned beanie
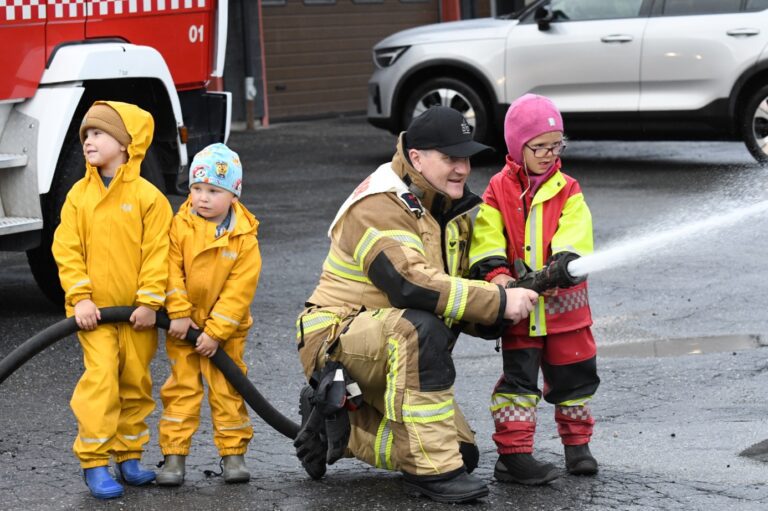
[[105, 118], [217, 165]]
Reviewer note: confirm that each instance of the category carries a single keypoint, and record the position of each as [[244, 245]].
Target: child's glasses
[[541, 152]]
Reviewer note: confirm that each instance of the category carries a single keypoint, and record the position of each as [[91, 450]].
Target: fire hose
[[554, 274], [220, 359]]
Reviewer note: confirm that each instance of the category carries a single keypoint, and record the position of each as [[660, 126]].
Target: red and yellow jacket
[[213, 280], [512, 225], [112, 244]]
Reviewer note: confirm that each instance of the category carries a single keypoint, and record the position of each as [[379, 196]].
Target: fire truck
[[57, 57]]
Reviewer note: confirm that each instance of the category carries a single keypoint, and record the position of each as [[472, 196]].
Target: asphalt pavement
[[681, 411]]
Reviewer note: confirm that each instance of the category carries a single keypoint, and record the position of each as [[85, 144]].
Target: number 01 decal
[[196, 34]]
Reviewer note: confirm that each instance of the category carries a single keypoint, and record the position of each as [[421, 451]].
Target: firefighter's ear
[[415, 156]]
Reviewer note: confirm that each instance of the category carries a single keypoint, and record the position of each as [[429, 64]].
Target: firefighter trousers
[[114, 395], [182, 396], [401, 359], [569, 366]]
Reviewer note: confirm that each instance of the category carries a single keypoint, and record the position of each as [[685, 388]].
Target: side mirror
[[543, 17]]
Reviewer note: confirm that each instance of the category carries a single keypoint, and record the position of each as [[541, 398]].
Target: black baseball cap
[[444, 129]]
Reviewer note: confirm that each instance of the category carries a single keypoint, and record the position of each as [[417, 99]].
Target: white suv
[[617, 69]]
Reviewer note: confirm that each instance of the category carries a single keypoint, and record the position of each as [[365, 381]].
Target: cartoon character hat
[[105, 118], [217, 165], [528, 117]]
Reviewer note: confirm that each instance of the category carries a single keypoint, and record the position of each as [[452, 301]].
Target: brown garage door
[[318, 52]]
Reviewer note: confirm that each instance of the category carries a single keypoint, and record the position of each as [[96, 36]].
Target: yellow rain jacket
[[212, 280], [112, 247]]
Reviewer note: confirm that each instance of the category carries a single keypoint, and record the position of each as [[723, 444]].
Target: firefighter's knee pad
[[435, 341]]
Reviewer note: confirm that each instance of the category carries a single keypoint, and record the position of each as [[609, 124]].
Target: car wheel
[[754, 124], [456, 94]]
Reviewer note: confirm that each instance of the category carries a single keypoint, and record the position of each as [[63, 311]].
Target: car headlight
[[385, 57]]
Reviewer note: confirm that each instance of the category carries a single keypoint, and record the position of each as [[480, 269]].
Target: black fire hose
[[555, 274], [220, 359]]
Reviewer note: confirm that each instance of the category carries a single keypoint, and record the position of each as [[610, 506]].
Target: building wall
[[318, 52]]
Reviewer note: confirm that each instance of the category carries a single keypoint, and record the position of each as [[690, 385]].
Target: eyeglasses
[[541, 152]]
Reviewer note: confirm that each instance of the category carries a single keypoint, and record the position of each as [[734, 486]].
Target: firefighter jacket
[[112, 243], [213, 280], [398, 242], [512, 225]]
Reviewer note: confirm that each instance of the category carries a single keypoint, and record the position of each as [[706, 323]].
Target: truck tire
[[455, 93], [69, 169], [754, 124]]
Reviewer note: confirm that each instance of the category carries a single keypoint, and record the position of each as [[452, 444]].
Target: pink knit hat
[[528, 117]]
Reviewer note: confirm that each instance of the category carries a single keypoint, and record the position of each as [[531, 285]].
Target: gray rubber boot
[[579, 460], [172, 473], [523, 468], [235, 470]]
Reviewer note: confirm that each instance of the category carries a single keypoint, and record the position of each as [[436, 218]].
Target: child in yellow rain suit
[[213, 272], [112, 249]]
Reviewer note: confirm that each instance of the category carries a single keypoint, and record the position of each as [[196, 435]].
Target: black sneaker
[[458, 488], [579, 460], [523, 468], [311, 444]]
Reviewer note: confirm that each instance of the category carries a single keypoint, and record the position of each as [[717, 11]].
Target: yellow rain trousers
[[112, 247], [213, 281]]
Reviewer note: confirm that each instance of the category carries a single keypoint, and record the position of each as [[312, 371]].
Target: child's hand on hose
[[87, 315], [143, 318], [179, 327], [206, 346]]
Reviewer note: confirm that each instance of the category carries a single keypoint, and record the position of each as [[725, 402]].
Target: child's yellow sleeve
[[153, 275]]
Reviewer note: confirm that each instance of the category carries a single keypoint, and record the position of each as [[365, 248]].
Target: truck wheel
[[456, 94], [70, 168], [754, 124]]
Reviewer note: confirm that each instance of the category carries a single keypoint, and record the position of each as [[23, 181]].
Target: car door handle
[[616, 38], [743, 32]]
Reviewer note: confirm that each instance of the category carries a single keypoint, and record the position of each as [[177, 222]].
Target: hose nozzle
[[555, 274]]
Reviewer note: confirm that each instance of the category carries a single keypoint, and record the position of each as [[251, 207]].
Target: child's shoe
[[523, 468], [101, 483], [131, 472], [172, 473], [235, 470], [579, 460]]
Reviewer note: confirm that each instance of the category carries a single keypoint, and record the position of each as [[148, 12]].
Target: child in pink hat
[[534, 212]]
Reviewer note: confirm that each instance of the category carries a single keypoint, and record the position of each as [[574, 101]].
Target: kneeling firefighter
[[390, 303]]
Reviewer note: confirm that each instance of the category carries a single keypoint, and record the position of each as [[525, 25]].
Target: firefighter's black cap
[[444, 129]]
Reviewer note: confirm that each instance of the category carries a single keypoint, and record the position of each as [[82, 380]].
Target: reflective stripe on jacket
[[213, 280], [112, 243], [511, 225]]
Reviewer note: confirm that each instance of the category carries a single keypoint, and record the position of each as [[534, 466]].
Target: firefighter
[[112, 249], [534, 212], [391, 300]]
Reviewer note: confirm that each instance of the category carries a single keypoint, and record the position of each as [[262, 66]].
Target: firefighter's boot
[[235, 470], [456, 487], [523, 468], [311, 444], [172, 473], [131, 472], [579, 460], [101, 483]]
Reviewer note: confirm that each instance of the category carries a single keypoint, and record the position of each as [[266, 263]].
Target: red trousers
[[568, 364]]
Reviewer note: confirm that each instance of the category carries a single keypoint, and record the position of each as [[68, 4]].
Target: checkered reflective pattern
[[36, 10], [514, 414], [566, 302], [578, 413]]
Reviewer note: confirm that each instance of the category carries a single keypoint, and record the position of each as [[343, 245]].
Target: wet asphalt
[[671, 422]]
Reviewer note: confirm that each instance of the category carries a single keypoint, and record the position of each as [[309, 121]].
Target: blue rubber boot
[[134, 474], [101, 484]]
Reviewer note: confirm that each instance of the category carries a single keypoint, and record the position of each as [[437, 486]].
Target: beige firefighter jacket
[[112, 243], [404, 247], [213, 280]]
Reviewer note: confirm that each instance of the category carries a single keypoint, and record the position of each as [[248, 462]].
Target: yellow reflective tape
[[431, 412], [391, 388], [315, 321], [502, 400], [344, 270], [384, 441], [452, 247], [576, 402], [372, 235], [457, 299], [81, 283], [225, 318]]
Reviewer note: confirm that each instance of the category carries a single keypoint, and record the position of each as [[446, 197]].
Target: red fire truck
[[57, 57]]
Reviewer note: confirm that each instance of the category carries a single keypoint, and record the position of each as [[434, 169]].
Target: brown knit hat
[[105, 118]]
